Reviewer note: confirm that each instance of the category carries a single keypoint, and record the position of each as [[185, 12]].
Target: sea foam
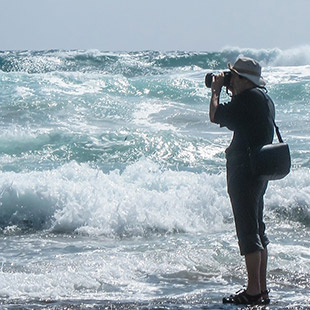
[[143, 199], [297, 56]]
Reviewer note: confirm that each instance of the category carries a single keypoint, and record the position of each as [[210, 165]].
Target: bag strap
[[274, 123], [277, 131]]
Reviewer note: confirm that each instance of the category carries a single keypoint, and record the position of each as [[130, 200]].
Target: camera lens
[[208, 79], [209, 76]]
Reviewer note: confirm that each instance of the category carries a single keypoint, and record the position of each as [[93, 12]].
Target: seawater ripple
[[81, 107], [138, 201], [112, 183], [145, 62]]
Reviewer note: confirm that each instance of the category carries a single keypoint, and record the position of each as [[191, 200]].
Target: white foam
[[73, 83], [142, 199], [78, 198], [24, 92], [286, 74], [297, 56], [292, 191]]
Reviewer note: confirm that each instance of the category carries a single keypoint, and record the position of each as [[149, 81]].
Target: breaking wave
[[131, 64]]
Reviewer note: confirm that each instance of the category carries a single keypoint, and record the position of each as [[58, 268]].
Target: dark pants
[[246, 195]]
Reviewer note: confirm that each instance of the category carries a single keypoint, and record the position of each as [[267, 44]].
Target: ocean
[[112, 184]]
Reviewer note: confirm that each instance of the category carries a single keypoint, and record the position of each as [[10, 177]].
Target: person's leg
[[253, 263], [252, 295], [265, 242], [263, 270], [263, 275], [246, 195]]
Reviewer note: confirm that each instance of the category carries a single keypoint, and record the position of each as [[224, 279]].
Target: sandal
[[243, 298], [265, 297]]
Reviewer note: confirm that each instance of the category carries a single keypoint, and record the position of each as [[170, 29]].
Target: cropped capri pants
[[246, 194]]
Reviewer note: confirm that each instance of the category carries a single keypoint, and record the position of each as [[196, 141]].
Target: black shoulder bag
[[271, 161]]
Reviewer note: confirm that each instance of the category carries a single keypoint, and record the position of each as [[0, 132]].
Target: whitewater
[[112, 181]]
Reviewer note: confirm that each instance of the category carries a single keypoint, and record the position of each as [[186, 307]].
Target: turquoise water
[[112, 184]]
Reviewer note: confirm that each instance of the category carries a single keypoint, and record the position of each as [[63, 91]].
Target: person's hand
[[217, 83]]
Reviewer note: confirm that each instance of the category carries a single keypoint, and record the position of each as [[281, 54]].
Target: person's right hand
[[217, 83]]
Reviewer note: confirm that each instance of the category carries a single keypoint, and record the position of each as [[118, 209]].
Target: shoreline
[[202, 303]]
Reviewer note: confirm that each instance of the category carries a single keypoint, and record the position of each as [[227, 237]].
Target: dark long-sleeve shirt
[[250, 116]]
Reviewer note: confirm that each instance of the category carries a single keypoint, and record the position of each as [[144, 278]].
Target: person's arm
[[216, 87]]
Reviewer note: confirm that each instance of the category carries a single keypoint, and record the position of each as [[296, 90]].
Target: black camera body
[[209, 76]]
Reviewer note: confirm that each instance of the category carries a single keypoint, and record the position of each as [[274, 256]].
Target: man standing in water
[[249, 115]]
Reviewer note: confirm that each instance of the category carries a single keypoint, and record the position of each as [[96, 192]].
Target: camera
[[209, 76]]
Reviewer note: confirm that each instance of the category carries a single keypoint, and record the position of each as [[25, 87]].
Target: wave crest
[[141, 200], [144, 63], [144, 199], [275, 57]]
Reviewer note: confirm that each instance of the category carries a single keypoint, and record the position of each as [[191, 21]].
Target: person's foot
[[265, 297], [243, 298]]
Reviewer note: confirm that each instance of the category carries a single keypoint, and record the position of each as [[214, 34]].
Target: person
[[249, 115]]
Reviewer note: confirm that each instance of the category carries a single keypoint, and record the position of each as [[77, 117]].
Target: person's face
[[236, 85]]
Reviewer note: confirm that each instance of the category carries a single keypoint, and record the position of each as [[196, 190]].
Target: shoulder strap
[[277, 131], [274, 123]]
